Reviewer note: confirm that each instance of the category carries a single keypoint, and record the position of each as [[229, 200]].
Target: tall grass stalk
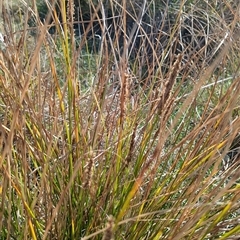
[[103, 145]]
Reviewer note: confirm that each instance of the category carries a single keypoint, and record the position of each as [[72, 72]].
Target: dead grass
[[91, 149]]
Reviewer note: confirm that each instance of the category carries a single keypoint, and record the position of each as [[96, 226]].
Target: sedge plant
[[91, 148]]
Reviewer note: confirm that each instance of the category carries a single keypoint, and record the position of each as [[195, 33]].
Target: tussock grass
[[91, 148]]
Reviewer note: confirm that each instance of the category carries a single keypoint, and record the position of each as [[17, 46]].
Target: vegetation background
[[103, 144]]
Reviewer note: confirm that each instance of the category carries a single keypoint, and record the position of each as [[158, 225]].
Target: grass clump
[[91, 149]]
